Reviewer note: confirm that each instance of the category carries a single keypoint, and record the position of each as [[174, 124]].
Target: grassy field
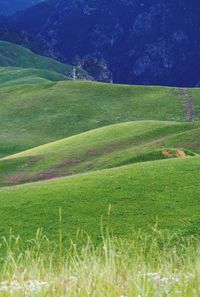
[[138, 195], [48, 112], [102, 148], [78, 158], [26, 76], [143, 121], [158, 264]]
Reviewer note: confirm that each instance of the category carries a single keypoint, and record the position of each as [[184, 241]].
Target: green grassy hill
[[139, 195], [102, 148], [22, 76], [110, 138], [17, 56], [48, 112]]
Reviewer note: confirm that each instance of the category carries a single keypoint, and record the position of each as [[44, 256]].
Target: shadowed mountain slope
[[149, 42], [13, 55], [8, 7]]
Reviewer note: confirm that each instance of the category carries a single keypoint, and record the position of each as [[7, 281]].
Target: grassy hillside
[[51, 128], [138, 195], [48, 112], [106, 147], [11, 76], [78, 158], [17, 56]]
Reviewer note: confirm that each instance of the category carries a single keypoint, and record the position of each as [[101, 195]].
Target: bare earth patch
[[188, 105], [174, 153]]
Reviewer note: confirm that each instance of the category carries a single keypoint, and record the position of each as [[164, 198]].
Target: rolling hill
[[102, 148], [90, 147], [48, 112], [13, 55], [139, 195], [22, 76]]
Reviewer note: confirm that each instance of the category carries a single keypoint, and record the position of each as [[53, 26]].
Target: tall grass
[[156, 264]]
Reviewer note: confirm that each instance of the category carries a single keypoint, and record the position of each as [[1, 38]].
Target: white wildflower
[[72, 278], [29, 286]]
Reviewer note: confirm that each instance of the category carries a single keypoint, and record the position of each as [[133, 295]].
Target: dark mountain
[[8, 7], [142, 42], [23, 38]]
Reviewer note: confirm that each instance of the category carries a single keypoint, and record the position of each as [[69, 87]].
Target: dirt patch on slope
[[188, 105], [174, 153]]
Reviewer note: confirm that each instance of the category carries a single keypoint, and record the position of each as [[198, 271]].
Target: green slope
[[17, 56], [11, 76], [50, 128], [48, 112], [102, 148], [140, 194]]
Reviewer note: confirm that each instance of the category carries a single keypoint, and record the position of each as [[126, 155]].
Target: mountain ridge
[[152, 42]]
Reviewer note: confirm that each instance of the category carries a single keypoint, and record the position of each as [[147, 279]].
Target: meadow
[[95, 166], [107, 147], [146, 265], [43, 113], [169, 193]]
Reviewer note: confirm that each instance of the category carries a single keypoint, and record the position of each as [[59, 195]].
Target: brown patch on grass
[[180, 154], [47, 175], [18, 178], [25, 178], [165, 153], [188, 105], [174, 153], [68, 163]]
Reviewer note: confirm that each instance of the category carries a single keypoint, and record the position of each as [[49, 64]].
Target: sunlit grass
[[156, 264]]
